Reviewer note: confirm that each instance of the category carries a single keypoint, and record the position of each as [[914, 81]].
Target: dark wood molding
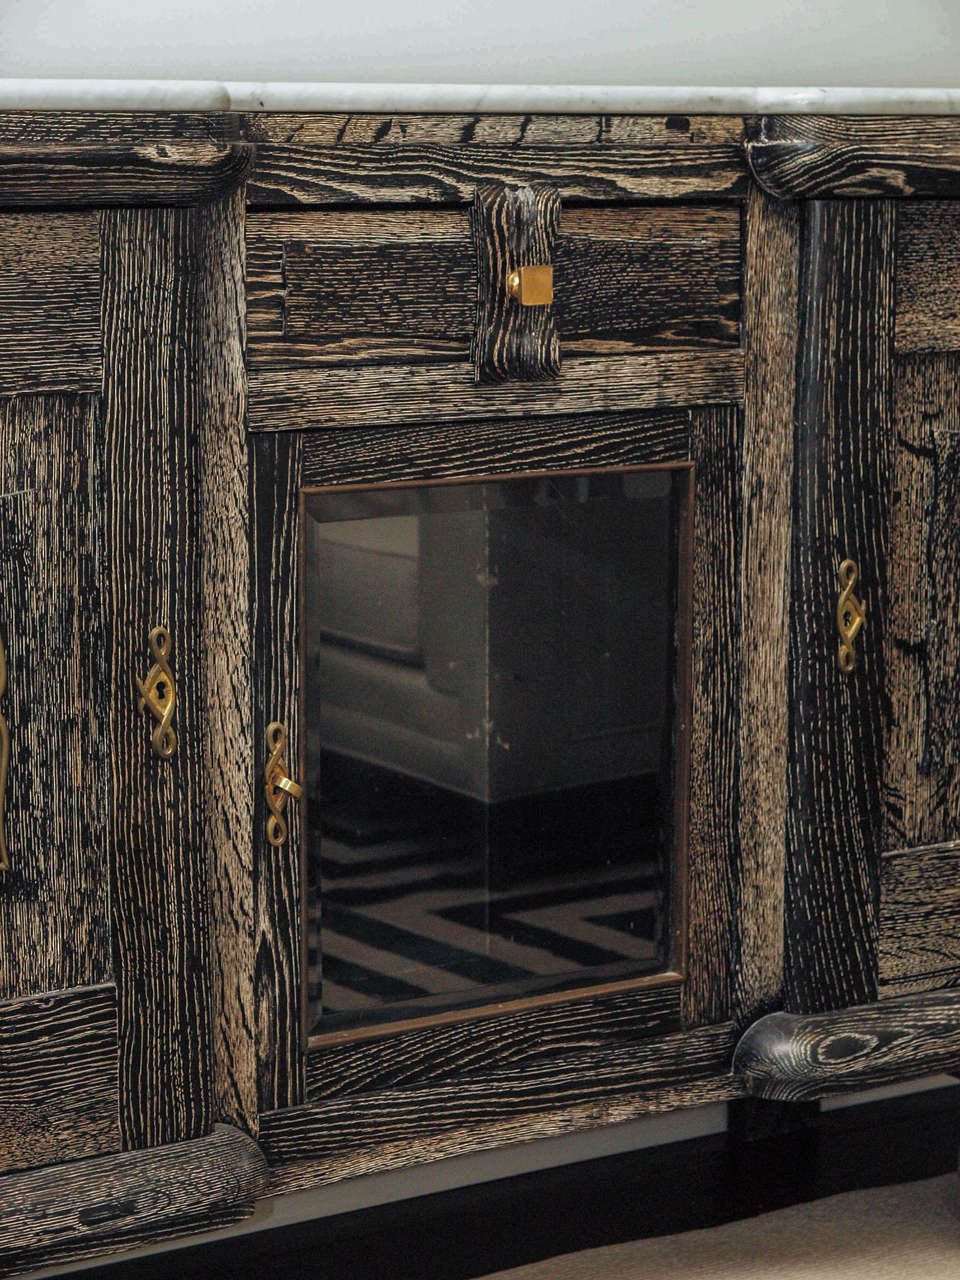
[[97, 176], [795, 1057], [392, 1128], [58, 1077], [819, 157], [71, 1211], [448, 450]]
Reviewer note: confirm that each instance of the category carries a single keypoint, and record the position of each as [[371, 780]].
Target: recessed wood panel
[[919, 943], [58, 1077], [49, 302], [928, 276]]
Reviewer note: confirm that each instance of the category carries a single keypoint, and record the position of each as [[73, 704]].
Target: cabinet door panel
[[55, 897]]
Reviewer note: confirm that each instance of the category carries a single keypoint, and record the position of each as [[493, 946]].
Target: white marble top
[[231, 95]]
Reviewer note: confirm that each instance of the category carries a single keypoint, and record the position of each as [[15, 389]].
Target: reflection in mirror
[[490, 676]]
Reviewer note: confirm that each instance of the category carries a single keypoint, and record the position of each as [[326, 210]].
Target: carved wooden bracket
[[514, 228]]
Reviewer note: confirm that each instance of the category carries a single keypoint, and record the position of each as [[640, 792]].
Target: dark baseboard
[[471, 1231]]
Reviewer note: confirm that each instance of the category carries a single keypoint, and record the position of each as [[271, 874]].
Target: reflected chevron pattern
[[411, 919]]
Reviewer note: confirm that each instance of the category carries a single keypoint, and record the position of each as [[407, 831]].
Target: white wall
[[654, 42]]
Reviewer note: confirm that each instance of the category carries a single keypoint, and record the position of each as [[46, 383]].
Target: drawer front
[[355, 316]]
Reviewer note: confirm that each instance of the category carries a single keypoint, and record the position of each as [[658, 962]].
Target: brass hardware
[[851, 615], [4, 764], [158, 694], [279, 786], [531, 286]]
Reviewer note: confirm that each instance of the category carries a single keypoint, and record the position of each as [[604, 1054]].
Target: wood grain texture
[[921, 644], [275, 579], [446, 450], [770, 338], [799, 1056], [919, 917], [405, 281], [928, 276], [467, 129], [397, 1127], [819, 157], [49, 302], [58, 1077], [154, 351], [55, 899], [73, 1211], [460, 1046], [408, 173], [295, 394], [96, 176], [228, 764], [840, 496], [111, 128], [714, 851], [513, 227]]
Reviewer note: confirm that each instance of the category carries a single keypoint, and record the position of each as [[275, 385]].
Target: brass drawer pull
[[158, 694], [531, 286], [278, 785], [851, 615], [4, 764]]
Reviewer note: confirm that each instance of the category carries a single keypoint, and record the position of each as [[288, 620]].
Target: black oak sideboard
[[480, 619]]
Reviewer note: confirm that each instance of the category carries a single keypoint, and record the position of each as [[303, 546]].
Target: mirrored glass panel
[[491, 677]]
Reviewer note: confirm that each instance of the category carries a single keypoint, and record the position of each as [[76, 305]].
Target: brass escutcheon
[[851, 615], [158, 694], [531, 286], [278, 785]]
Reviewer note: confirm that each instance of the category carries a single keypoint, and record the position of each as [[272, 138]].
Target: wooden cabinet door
[[873, 870], [106, 338]]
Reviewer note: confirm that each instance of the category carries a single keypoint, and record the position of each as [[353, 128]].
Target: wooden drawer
[[359, 316]]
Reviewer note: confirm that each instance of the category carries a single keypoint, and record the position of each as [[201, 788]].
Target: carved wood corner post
[[514, 230]]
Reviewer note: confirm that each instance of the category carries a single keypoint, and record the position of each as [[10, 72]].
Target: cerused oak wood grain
[[275, 463], [770, 338], [450, 449], [840, 510], [921, 750], [633, 275], [154, 351], [513, 227], [460, 1046], [714, 846], [224, 642], [816, 157], [96, 176], [49, 302], [55, 898], [58, 1077], [391, 1128], [296, 394], [113, 1202], [798, 1056], [928, 276], [405, 173], [919, 937]]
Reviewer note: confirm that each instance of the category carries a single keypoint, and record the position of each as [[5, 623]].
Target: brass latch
[[278, 785], [531, 286]]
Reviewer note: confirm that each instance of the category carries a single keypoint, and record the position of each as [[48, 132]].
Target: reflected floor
[[422, 917]]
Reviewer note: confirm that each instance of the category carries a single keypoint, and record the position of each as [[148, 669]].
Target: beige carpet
[[906, 1232]]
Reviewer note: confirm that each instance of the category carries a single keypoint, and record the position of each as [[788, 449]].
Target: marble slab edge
[[236, 95]]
